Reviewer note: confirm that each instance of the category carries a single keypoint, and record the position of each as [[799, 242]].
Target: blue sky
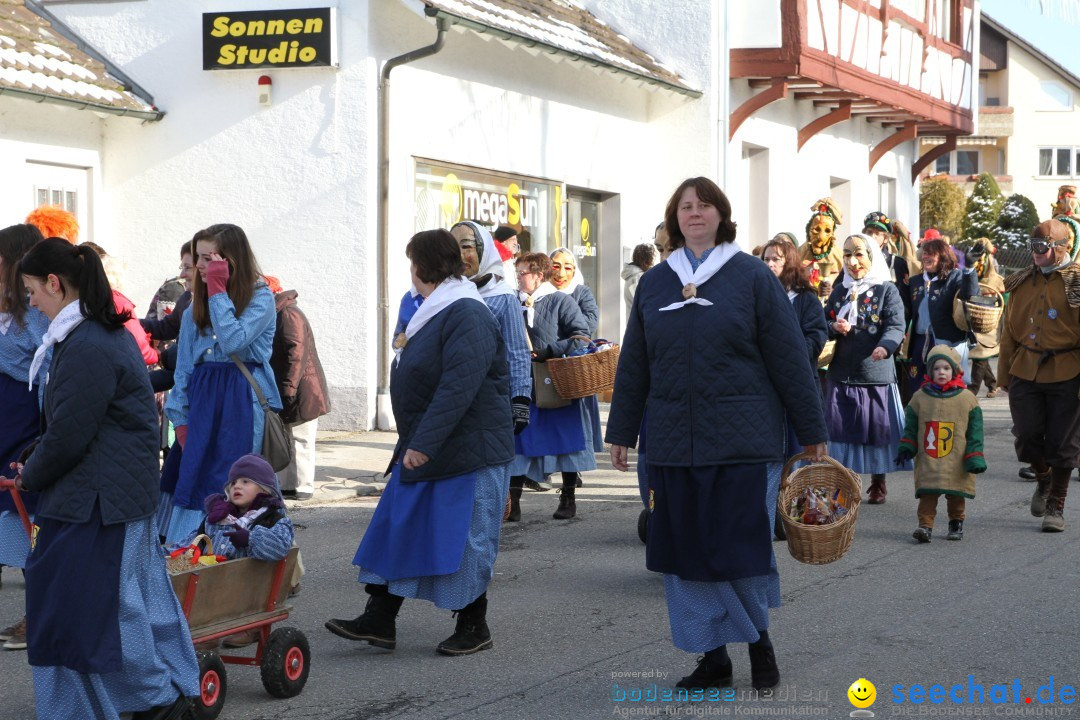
[[1054, 33]]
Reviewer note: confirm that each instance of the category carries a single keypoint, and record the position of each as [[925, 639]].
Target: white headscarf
[[876, 275], [490, 262], [574, 281]]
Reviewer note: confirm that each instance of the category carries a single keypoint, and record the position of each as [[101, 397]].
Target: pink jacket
[[149, 354]]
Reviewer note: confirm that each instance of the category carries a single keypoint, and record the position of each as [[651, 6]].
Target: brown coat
[[1040, 337], [296, 365]]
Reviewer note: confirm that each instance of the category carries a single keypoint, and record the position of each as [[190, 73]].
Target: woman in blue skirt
[[105, 633], [21, 328], [435, 533], [557, 439], [708, 347], [862, 403], [566, 279], [213, 407]]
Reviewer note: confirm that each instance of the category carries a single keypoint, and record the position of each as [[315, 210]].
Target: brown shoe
[[1038, 498], [877, 492], [1053, 519], [17, 638]]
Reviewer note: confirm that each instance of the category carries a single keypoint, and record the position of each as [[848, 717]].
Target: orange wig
[[54, 221]]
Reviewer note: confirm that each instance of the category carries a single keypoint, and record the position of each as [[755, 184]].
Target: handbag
[[277, 446], [545, 395]]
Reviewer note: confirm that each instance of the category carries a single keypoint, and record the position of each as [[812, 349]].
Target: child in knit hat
[[943, 431], [249, 519]]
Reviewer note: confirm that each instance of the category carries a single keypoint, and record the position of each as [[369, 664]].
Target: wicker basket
[[184, 559], [584, 375], [983, 317], [818, 544]]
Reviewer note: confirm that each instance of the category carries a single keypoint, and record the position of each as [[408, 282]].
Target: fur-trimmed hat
[[944, 352], [256, 469]]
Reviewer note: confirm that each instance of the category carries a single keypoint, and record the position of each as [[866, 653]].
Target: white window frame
[[1074, 160]]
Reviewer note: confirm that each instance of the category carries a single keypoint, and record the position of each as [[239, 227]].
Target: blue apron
[[220, 431], [20, 426], [419, 529], [551, 432], [709, 524], [73, 595], [170, 470]]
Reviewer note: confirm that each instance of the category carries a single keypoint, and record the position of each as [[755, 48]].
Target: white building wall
[[1034, 127], [835, 163], [300, 176], [297, 176]]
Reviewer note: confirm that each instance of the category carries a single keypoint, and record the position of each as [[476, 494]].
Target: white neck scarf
[[5, 322], [495, 286], [529, 301], [69, 318], [445, 294], [876, 275], [681, 265]]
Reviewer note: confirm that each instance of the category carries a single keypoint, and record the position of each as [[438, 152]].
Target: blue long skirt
[[532, 461], [222, 411], [706, 615], [456, 590], [158, 658], [874, 456]]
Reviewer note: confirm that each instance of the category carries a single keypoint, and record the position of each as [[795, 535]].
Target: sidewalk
[[349, 465]]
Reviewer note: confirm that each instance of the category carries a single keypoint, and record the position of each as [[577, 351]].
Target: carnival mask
[[562, 270], [856, 258], [821, 234]]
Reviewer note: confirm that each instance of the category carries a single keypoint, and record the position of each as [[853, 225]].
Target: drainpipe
[[383, 413]]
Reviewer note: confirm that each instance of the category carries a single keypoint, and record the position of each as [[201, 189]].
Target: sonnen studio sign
[[269, 38]]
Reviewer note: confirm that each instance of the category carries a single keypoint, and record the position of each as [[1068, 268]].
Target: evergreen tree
[[983, 207], [1013, 227], [941, 206]]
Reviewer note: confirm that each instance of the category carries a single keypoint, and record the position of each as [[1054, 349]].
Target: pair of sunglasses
[[1042, 245]]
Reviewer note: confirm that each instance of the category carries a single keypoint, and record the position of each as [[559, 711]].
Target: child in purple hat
[[249, 518]]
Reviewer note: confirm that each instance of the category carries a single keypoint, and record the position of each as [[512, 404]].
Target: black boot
[[763, 670], [517, 484], [471, 634], [713, 670], [956, 530], [567, 507], [376, 625]]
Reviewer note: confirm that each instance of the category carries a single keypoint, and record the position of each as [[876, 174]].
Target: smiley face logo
[[862, 693]]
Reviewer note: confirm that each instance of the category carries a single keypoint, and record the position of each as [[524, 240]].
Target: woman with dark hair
[[21, 329], [231, 318], [435, 532], [783, 259], [932, 295], [106, 634], [557, 439], [708, 349]]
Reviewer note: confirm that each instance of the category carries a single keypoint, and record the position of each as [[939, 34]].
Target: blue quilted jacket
[[450, 390], [100, 443], [717, 379]]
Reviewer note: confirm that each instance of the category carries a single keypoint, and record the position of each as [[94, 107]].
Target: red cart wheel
[[286, 663], [212, 686]]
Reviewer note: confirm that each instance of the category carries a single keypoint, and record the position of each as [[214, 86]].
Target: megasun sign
[[269, 38]]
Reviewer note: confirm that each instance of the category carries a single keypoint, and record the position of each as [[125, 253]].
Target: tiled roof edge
[[129, 85], [82, 104]]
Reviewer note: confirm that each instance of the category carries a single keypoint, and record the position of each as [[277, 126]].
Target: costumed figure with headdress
[[863, 412], [822, 254], [1039, 366], [980, 258]]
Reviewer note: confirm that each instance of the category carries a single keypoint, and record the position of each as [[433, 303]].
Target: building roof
[[563, 27], [43, 60], [1050, 62]]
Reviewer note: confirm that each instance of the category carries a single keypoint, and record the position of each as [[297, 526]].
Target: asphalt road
[[573, 611]]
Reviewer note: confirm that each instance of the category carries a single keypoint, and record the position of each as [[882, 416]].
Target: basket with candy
[[818, 504]]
